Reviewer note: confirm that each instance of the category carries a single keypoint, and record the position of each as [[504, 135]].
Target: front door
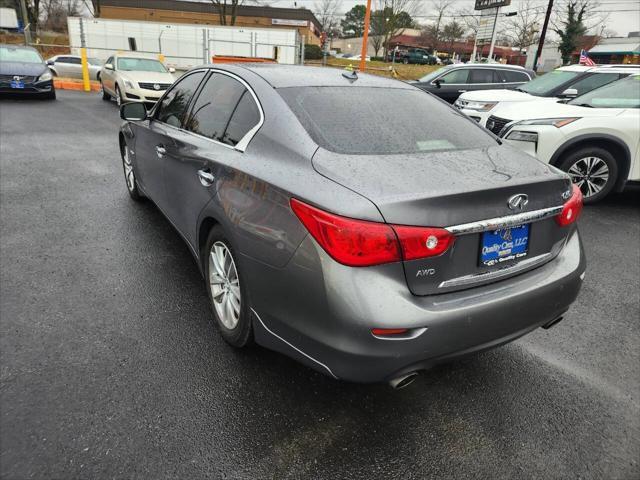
[[453, 84]]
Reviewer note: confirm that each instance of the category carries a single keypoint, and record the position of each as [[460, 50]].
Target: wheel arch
[[204, 227], [611, 143]]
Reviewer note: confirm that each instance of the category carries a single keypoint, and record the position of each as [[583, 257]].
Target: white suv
[[562, 83], [595, 138]]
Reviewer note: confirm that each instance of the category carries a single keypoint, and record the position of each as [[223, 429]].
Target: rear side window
[[73, 60], [217, 102], [244, 118], [511, 76], [346, 120], [457, 76], [594, 81], [483, 75], [173, 106]]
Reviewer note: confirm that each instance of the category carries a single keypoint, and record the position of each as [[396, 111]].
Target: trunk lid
[[449, 188]]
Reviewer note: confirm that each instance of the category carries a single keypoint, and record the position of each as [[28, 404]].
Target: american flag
[[585, 60]]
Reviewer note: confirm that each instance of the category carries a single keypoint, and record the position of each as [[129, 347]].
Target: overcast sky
[[624, 15]]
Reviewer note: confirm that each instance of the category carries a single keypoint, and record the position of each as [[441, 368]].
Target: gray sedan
[[354, 223], [71, 66]]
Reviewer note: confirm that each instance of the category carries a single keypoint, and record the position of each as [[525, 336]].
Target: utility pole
[[365, 37], [25, 22], [542, 35], [493, 34]]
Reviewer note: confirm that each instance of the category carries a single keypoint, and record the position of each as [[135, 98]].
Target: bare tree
[[451, 32], [326, 13], [440, 7], [229, 8], [392, 17], [54, 13], [522, 29]]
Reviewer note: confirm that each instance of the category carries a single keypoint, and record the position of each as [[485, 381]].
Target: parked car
[[562, 83], [366, 249], [451, 81], [418, 56], [71, 66], [595, 137], [23, 71], [128, 76]]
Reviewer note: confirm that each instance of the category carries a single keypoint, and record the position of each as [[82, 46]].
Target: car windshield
[[23, 55], [544, 84], [140, 65], [430, 76], [621, 94], [346, 120]]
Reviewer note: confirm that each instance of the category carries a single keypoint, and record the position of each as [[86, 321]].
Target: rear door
[[156, 143], [484, 79], [453, 84], [208, 147]]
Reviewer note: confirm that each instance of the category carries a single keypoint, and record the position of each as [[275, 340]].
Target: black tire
[[119, 99], [105, 95], [130, 183], [50, 95], [577, 161], [242, 334]]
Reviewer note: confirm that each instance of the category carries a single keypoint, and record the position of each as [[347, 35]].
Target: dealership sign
[[482, 4], [291, 23]]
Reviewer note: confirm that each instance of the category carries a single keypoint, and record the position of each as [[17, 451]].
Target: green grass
[[403, 72]]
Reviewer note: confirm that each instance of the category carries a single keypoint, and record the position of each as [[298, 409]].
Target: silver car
[[71, 66], [352, 222]]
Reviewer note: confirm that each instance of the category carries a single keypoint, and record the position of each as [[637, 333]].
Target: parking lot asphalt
[[111, 367]]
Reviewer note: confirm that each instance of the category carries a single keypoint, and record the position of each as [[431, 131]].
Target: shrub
[[312, 52]]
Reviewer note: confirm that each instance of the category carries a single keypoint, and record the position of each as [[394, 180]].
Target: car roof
[[136, 55], [21, 47], [599, 68], [488, 65], [283, 76]]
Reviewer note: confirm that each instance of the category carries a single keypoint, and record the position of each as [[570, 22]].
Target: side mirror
[[569, 93], [108, 66], [172, 70], [50, 62], [437, 82], [133, 111]]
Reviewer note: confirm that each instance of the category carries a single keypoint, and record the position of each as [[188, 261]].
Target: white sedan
[[595, 138]]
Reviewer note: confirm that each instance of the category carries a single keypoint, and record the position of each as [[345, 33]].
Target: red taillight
[[356, 243], [381, 332], [360, 243], [572, 209], [421, 242]]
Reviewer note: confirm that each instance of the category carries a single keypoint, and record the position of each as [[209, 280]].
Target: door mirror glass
[[133, 111], [172, 70], [108, 66], [569, 93]]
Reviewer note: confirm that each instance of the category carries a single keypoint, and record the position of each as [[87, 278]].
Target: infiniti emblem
[[518, 201]]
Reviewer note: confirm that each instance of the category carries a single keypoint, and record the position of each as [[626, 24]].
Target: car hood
[[20, 68], [151, 77], [550, 110], [498, 96], [445, 188]]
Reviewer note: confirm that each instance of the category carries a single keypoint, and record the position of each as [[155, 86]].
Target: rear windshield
[[362, 120], [548, 82]]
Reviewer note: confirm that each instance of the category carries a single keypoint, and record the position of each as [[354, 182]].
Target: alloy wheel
[[129, 176], [118, 96], [590, 174], [224, 285]]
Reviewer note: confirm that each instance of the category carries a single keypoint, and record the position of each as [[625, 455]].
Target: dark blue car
[[23, 71]]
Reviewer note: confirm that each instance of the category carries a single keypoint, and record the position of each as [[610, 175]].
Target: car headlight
[[45, 76], [556, 122], [479, 106], [523, 136], [129, 84]]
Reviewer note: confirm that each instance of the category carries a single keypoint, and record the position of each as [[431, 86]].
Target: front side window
[[482, 75], [173, 106], [212, 111], [345, 120], [140, 65], [594, 81], [621, 94], [456, 77]]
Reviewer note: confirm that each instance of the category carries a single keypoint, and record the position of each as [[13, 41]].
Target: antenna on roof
[[350, 73]]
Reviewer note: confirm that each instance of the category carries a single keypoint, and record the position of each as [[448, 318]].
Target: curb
[[68, 84]]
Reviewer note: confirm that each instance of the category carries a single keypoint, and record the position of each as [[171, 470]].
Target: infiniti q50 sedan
[[354, 223]]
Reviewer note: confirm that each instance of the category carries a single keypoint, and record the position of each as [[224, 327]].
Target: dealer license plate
[[504, 245], [17, 84]]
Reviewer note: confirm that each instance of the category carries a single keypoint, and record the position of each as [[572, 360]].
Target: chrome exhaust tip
[[403, 381]]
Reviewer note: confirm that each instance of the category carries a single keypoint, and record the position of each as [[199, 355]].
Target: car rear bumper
[[322, 313]]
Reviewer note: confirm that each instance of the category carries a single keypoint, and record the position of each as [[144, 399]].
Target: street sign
[[484, 4], [485, 26]]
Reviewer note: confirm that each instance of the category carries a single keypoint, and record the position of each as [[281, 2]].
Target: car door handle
[[206, 178], [160, 150], [462, 91]]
